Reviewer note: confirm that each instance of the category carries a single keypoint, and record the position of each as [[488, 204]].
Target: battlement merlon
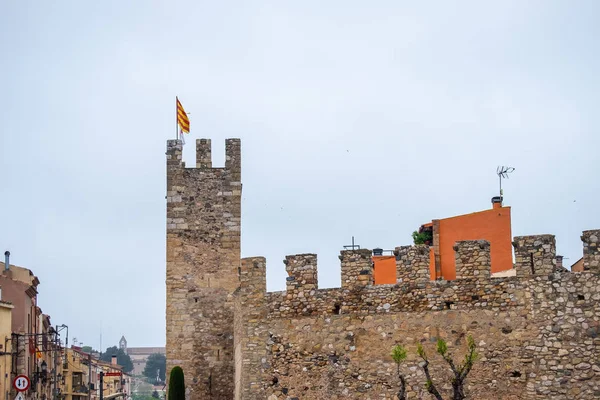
[[302, 273], [253, 277], [591, 250], [233, 159], [412, 264], [535, 255], [174, 150], [357, 268], [203, 153], [472, 259]]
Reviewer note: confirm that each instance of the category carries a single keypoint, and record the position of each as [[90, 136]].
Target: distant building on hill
[[139, 355]]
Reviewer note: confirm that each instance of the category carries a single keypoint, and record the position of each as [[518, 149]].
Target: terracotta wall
[[14, 292], [491, 225], [384, 269]]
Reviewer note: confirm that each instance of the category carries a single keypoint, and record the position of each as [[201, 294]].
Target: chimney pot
[[496, 201], [559, 261]]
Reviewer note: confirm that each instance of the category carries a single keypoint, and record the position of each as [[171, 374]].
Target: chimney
[[496, 202], [6, 260], [559, 261], [113, 360]]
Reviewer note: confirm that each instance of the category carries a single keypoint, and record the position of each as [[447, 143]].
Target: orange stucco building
[[384, 270], [493, 225]]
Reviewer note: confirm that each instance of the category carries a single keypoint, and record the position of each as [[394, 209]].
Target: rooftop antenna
[[352, 246], [503, 172]]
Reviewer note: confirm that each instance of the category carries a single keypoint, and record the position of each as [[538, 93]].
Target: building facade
[[6, 309], [139, 355], [81, 375]]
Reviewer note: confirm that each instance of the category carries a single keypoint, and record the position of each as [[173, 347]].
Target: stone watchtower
[[203, 261]]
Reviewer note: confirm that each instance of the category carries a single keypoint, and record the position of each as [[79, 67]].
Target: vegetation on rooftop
[[423, 236]]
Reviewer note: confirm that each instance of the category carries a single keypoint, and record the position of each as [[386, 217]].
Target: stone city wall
[[537, 333]]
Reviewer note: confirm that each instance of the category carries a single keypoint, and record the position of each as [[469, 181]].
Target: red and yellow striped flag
[[182, 118]]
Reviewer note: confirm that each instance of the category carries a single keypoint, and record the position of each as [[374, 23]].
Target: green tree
[[176, 384], [155, 362], [399, 355], [422, 237], [460, 371], [88, 349], [122, 359]]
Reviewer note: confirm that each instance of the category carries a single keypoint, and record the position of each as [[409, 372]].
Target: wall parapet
[[474, 288]]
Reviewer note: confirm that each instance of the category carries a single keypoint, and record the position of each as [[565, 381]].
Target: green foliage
[[88, 349], [421, 352], [459, 372], [422, 237], [442, 347], [398, 353], [471, 355], [176, 384], [155, 362], [122, 359]]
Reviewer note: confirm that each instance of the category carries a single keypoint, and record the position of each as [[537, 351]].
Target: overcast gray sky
[[356, 118]]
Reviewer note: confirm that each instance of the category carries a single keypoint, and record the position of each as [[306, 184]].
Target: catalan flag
[[182, 118]]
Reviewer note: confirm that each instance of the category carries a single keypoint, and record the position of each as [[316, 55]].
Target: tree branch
[[402, 392], [430, 386], [450, 362], [469, 361]]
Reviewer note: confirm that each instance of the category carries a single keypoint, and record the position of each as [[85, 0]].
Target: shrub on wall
[[422, 237]]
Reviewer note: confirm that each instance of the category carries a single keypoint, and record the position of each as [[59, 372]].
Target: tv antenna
[[352, 246], [503, 172]]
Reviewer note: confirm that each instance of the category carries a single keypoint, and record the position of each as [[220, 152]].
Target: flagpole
[[176, 121]]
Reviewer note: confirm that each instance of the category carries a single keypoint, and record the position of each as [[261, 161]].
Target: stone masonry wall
[[538, 334], [473, 259], [203, 260], [412, 264], [302, 274], [535, 254], [591, 250], [250, 350], [357, 268]]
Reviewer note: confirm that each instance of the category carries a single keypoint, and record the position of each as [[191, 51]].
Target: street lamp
[[44, 367]]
